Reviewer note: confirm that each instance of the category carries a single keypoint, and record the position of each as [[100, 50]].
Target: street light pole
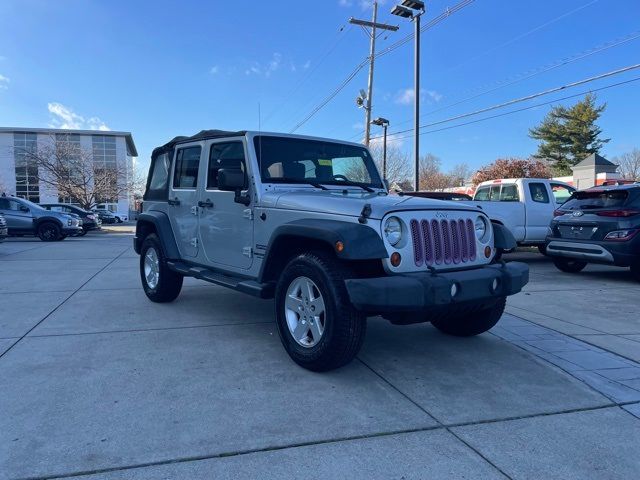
[[416, 145], [384, 123], [414, 9]]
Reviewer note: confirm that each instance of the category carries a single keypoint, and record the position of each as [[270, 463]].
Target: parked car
[[439, 195], [598, 225], [524, 205], [119, 216], [286, 217], [106, 216], [27, 218], [90, 221], [3, 228]]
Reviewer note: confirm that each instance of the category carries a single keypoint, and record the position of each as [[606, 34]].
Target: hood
[[338, 203]]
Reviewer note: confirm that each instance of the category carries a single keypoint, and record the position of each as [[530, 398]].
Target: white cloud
[[64, 117], [307, 64], [358, 126], [433, 95], [267, 70], [406, 96], [345, 3], [2, 58], [214, 70], [4, 82]]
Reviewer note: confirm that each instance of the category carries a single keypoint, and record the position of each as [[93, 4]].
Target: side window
[[509, 193], [538, 192], [186, 171], [4, 204], [561, 192], [160, 173], [494, 194], [228, 156], [482, 194]]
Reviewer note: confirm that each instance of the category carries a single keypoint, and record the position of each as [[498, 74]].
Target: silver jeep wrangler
[[309, 222]]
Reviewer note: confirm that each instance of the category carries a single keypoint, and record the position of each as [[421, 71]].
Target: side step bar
[[251, 287]]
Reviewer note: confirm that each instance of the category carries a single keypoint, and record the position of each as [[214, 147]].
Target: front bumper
[[69, 231], [4, 232], [420, 291]]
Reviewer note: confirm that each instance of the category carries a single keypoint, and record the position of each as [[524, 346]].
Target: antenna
[[259, 143]]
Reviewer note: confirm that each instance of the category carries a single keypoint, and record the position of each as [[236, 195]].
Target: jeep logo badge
[[578, 213], [441, 215]]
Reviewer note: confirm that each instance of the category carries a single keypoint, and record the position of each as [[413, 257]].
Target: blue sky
[[165, 68]]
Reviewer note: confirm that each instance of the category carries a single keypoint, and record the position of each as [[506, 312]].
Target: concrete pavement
[[97, 382]]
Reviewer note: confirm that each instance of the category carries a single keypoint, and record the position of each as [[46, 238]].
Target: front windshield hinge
[[366, 212]]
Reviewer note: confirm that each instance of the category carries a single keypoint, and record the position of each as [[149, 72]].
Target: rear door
[[539, 210], [225, 226], [182, 208], [18, 220]]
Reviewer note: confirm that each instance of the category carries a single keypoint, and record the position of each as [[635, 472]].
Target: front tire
[[542, 249], [569, 266], [635, 271], [49, 232], [318, 326], [160, 284], [468, 324]]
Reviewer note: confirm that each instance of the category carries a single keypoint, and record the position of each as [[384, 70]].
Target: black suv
[[90, 220], [598, 225]]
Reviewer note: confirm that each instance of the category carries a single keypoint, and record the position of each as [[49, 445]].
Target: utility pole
[[373, 34]]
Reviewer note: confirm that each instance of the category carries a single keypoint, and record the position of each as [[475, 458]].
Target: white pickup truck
[[524, 205]]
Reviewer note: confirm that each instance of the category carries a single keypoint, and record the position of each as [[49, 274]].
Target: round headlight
[[481, 228], [393, 230]]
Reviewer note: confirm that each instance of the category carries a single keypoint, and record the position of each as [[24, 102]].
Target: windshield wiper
[[354, 184], [302, 181]]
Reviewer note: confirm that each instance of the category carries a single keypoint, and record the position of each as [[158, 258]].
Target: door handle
[[175, 201], [206, 204]]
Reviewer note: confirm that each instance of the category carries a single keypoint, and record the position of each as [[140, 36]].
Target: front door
[[19, 218], [183, 209], [226, 227], [539, 211]]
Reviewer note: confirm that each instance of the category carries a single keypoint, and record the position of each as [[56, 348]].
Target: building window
[[106, 165], [27, 185], [68, 144]]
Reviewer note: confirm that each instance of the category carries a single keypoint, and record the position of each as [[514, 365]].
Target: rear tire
[[160, 284], [49, 232], [83, 233], [468, 325], [569, 266], [312, 287]]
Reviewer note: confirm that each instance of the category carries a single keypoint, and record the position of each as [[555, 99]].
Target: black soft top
[[201, 135]]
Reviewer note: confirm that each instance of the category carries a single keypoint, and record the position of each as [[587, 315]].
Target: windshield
[[586, 200], [292, 160], [31, 205]]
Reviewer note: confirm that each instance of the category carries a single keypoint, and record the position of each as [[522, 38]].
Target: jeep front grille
[[443, 241], [3, 222]]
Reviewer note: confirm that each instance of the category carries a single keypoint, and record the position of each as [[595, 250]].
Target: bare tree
[[629, 164], [459, 174], [512, 168], [73, 172], [398, 168], [4, 186]]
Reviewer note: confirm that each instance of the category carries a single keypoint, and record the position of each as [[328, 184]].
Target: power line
[[526, 98], [524, 35], [392, 47], [484, 119], [535, 72]]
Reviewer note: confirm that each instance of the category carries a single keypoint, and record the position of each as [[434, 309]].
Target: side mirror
[[230, 180], [233, 180]]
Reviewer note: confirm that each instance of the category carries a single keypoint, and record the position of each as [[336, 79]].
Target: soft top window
[[158, 178]]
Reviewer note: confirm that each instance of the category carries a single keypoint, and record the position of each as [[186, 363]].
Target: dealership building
[[19, 175]]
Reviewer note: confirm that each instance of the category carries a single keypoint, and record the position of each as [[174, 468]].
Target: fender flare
[[162, 227], [503, 238], [361, 242]]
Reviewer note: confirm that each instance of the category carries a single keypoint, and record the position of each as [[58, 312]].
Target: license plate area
[[579, 231]]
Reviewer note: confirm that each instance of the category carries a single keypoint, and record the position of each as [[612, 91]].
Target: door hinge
[[194, 242], [247, 252], [194, 210], [248, 214]]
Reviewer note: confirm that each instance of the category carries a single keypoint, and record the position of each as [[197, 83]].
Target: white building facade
[[19, 177]]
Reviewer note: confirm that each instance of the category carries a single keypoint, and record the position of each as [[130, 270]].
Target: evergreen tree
[[568, 135]]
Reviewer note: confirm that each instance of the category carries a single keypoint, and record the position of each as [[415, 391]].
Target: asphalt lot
[[97, 382]]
